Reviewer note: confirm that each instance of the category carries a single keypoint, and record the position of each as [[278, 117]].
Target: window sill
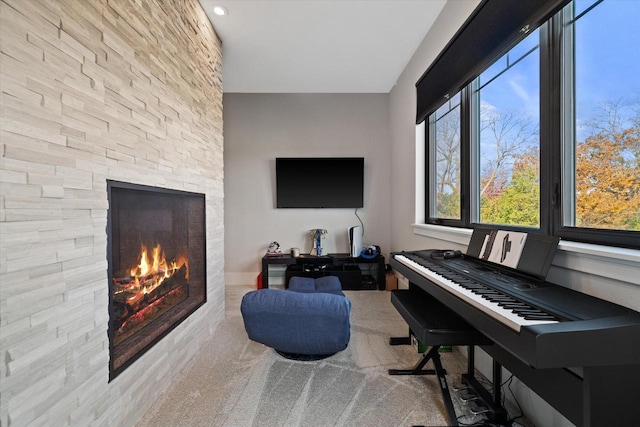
[[606, 261], [441, 232]]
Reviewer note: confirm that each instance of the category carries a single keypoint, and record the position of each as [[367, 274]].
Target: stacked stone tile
[[127, 90]]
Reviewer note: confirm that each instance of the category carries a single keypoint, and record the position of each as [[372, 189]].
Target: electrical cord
[[508, 382], [361, 223]]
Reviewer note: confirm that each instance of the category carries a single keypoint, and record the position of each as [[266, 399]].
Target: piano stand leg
[[434, 355], [401, 340], [471, 359], [497, 383], [417, 370]]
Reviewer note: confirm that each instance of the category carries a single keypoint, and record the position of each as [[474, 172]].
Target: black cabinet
[[350, 276], [354, 273]]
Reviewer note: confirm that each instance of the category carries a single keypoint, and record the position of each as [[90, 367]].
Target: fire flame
[[152, 271]]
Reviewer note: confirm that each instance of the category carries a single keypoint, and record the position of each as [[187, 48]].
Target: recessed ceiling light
[[220, 10]]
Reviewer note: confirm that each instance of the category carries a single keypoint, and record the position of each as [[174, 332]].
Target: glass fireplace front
[[156, 247]]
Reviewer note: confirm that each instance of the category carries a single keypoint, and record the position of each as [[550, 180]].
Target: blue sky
[[607, 65], [607, 56]]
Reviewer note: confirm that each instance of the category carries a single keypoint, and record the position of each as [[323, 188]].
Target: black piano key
[[486, 291], [501, 301], [524, 313], [490, 295], [507, 303], [518, 310], [474, 286], [540, 317], [545, 316], [521, 308], [493, 298], [468, 283], [519, 305]]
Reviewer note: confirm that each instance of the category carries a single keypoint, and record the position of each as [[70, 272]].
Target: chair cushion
[[326, 284], [297, 322], [329, 284], [302, 284]]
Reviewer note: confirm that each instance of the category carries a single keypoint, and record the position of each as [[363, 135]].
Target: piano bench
[[435, 325], [432, 322]]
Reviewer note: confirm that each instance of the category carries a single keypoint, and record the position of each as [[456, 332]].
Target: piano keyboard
[[504, 308]]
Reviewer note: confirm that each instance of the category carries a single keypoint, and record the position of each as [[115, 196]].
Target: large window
[[445, 134], [508, 140], [547, 137], [602, 43]]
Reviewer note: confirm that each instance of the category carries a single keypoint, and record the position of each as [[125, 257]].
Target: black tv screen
[[320, 182]]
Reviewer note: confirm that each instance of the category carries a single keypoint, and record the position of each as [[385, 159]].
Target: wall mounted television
[[319, 182]]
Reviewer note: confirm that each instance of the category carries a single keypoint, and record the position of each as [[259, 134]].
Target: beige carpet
[[236, 382]]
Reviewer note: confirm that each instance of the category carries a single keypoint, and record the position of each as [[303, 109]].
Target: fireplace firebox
[[157, 268]]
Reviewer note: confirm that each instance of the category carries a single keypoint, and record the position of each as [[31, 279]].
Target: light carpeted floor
[[236, 382]]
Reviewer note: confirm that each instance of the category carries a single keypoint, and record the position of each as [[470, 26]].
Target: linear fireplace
[[157, 277]]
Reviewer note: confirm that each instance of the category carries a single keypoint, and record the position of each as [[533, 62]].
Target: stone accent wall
[[128, 90]]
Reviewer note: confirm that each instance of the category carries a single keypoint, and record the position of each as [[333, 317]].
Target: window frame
[[556, 98]]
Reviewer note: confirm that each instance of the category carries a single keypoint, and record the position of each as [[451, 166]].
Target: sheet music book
[[525, 252]]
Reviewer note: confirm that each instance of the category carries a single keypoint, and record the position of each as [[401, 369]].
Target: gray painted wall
[[259, 128], [403, 128]]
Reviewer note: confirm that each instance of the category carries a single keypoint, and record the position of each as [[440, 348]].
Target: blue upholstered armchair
[[308, 321]]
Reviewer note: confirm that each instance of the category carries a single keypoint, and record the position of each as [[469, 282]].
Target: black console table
[[346, 267]]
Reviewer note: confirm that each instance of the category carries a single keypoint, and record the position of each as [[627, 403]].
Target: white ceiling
[[319, 46]]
